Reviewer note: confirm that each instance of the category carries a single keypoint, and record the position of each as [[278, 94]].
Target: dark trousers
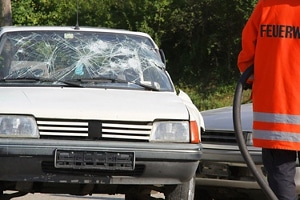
[[281, 168]]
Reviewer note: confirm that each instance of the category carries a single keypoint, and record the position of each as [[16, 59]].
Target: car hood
[[221, 118], [92, 103]]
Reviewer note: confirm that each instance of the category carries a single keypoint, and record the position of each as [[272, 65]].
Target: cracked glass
[[82, 58]]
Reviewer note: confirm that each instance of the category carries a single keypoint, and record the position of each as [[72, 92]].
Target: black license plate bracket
[[98, 160]]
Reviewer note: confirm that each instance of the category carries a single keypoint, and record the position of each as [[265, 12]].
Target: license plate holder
[[97, 160]]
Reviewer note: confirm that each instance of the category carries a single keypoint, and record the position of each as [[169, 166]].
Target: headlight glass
[[170, 131], [248, 138], [18, 126]]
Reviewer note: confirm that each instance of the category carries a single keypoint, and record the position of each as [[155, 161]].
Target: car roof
[[6, 29]]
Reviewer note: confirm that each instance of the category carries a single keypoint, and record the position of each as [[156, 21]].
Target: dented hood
[[92, 103]]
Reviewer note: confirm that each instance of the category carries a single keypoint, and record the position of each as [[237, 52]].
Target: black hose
[[239, 134]]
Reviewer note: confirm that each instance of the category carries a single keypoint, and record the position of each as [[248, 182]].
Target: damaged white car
[[93, 110]]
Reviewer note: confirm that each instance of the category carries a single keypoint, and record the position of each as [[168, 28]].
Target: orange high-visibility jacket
[[271, 41]]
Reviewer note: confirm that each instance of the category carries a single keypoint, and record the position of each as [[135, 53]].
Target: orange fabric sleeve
[[249, 38]]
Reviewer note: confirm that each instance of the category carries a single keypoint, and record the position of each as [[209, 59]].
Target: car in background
[[223, 173], [93, 110]]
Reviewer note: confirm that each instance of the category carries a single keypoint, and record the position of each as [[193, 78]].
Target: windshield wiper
[[25, 79], [73, 83], [102, 80], [37, 79], [78, 82], [114, 80], [146, 86], [117, 80]]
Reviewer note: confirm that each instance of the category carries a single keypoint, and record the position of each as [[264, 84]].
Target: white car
[[93, 110]]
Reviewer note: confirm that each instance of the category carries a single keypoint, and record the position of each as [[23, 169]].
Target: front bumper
[[229, 153], [224, 166], [32, 160], [226, 169]]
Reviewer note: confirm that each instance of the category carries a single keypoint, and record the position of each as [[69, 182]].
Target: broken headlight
[[18, 126]]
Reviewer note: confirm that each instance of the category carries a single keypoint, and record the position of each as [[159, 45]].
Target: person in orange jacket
[[271, 42]]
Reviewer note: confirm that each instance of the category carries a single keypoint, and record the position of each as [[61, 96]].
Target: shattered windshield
[[95, 59]]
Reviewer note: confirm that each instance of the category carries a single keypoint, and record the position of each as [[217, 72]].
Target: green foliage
[[211, 40], [201, 39], [214, 96], [42, 12]]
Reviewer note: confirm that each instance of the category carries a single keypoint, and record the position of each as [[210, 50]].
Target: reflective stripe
[[276, 118], [276, 135], [276, 127]]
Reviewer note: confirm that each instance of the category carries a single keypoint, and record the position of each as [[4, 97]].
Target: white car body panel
[[98, 103]]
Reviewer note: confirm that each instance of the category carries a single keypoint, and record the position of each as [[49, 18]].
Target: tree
[[201, 39], [6, 15]]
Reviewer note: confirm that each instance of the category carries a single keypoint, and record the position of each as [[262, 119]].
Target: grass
[[212, 96]]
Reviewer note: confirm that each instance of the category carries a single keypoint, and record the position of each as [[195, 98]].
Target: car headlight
[[170, 131], [248, 138], [18, 126]]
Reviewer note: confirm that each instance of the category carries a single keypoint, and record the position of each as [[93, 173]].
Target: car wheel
[[185, 191]]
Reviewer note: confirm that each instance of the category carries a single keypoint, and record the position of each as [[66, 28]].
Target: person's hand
[[248, 84]]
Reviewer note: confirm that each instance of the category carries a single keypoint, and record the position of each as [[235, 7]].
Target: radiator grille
[[219, 137], [94, 129]]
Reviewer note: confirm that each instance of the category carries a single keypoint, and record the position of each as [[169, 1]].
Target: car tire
[[185, 191]]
